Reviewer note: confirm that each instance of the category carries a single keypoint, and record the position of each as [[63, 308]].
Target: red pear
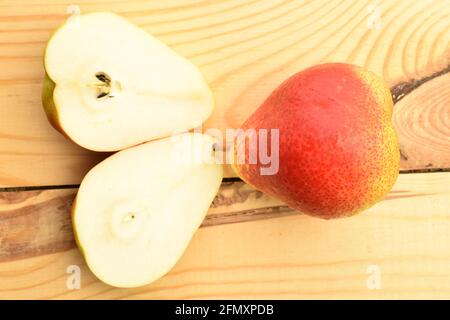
[[330, 131]]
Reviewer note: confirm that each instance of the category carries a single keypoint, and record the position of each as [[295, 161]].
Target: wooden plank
[[244, 49], [405, 238], [38, 222]]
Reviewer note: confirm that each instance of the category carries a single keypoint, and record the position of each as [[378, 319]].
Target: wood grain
[[244, 49], [422, 121], [406, 236], [35, 223]]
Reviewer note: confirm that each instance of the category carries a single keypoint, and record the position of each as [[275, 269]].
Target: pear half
[[136, 211], [110, 85]]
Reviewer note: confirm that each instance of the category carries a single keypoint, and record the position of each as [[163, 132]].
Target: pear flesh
[[111, 85], [136, 211]]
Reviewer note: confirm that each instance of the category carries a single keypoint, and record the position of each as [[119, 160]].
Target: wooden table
[[250, 245]]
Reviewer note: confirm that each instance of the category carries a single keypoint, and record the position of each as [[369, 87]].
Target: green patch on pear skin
[[48, 87]]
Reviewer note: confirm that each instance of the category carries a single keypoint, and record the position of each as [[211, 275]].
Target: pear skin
[[338, 149], [48, 86]]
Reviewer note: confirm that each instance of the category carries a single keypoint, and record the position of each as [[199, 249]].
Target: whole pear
[[337, 149]]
